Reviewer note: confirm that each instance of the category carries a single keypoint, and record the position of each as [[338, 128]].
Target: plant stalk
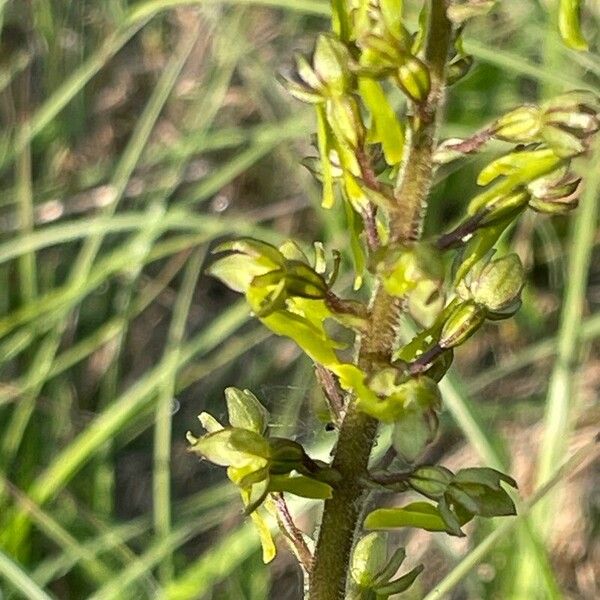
[[341, 514]]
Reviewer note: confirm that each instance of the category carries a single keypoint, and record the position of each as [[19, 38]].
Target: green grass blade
[[161, 497], [94, 568], [16, 576], [488, 445], [145, 10], [64, 466], [69, 88], [517, 64], [560, 403], [214, 565], [154, 555], [27, 262]]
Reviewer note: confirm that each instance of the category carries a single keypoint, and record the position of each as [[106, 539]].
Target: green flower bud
[[431, 482], [380, 55], [413, 78], [499, 284], [414, 431], [575, 101], [558, 183], [556, 193], [521, 125], [331, 63], [343, 115], [462, 323], [369, 558], [569, 120], [563, 143], [245, 411], [251, 258], [555, 206], [307, 74], [286, 455], [302, 281], [302, 92], [459, 68], [305, 85]]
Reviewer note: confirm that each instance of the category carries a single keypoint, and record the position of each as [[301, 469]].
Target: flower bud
[[369, 558], [250, 258], [286, 455], [499, 284], [556, 193], [413, 78], [560, 182], [459, 68], [430, 481], [563, 143], [380, 55], [245, 411], [555, 206], [415, 430], [575, 101], [305, 85], [462, 323], [331, 64], [569, 120], [520, 126], [343, 115], [302, 281]]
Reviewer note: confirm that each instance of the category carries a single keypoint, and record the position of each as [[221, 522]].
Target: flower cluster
[[256, 463], [446, 287]]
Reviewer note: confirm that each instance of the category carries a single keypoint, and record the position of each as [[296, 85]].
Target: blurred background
[[135, 135]]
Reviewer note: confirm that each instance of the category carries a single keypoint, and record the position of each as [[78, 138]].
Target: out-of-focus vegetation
[[134, 136]]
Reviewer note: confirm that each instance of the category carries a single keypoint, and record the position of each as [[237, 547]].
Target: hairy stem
[[414, 182], [358, 430]]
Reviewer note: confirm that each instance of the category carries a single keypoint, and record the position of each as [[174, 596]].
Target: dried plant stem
[[358, 430]]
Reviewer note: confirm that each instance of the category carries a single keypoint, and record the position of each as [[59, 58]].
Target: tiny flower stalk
[[379, 162]]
